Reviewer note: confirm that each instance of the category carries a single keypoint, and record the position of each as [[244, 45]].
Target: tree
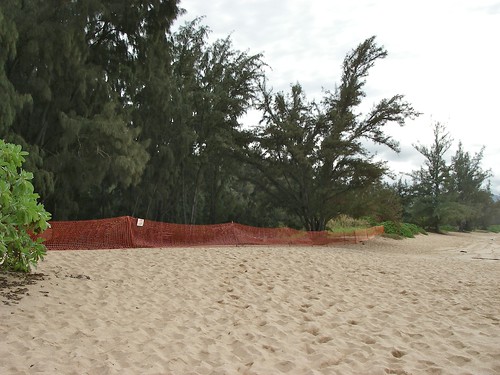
[[379, 201], [405, 191], [431, 180], [492, 214], [455, 193], [11, 102], [191, 111], [20, 213], [307, 156], [78, 62], [469, 188]]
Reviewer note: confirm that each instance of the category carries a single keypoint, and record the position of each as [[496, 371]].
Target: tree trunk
[[315, 224]]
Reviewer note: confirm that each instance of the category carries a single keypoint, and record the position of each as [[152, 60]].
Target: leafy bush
[[494, 228], [20, 213], [402, 229], [371, 221]]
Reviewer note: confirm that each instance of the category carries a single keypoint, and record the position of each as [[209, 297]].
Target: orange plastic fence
[[129, 232]]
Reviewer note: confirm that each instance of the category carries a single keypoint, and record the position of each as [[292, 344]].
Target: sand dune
[[429, 305]]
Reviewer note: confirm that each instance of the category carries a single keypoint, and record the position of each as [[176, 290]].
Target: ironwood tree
[[78, 62], [308, 155], [431, 180], [452, 193], [190, 112]]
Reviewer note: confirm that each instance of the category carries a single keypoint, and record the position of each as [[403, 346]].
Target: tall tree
[[469, 188], [431, 179], [455, 193], [308, 155], [230, 81], [77, 61], [191, 111], [11, 102]]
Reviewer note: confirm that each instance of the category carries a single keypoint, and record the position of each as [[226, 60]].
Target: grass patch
[[345, 229], [344, 223]]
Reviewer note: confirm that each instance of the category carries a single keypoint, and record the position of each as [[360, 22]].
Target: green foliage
[[11, 102], [452, 194], [494, 228], [402, 229], [308, 156], [126, 117], [467, 188], [192, 117], [379, 201], [372, 222], [123, 116], [430, 181], [20, 213], [82, 64]]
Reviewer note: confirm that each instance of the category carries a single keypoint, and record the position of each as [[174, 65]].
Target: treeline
[[123, 116], [452, 194]]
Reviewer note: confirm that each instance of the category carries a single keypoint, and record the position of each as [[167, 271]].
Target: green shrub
[[406, 231], [402, 229], [390, 227], [494, 228], [371, 221], [20, 213]]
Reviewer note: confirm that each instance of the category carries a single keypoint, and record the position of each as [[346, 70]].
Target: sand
[[429, 305]]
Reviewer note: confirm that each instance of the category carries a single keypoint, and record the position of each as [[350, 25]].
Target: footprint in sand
[[285, 366], [397, 353], [368, 341], [458, 344], [459, 360], [325, 339], [313, 331], [330, 362], [269, 347]]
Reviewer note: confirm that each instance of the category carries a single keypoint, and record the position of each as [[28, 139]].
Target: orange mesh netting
[[129, 232]]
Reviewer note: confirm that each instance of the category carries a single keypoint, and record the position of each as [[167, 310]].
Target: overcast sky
[[443, 55]]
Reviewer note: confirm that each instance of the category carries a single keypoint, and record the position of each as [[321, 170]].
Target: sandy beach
[[429, 305]]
